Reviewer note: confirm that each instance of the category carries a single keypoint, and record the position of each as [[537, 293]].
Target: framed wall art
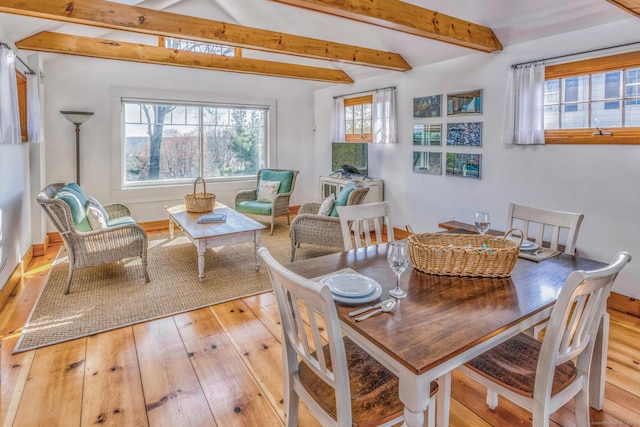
[[427, 106], [427, 134], [427, 162], [466, 134], [469, 102], [464, 164]]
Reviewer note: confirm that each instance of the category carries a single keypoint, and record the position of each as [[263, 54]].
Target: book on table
[[212, 217]]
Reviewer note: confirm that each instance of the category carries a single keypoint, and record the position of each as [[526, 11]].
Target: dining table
[[445, 321]]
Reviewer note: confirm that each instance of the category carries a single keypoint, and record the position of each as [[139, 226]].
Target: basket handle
[[508, 233], [410, 230], [204, 185]]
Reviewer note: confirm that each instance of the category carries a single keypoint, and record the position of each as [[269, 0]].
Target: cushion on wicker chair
[[343, 197], [73, 196], [284, 177], [254, 207], [327, 205], [267, 191]]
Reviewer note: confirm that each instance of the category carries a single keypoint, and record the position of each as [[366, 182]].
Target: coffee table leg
[[201, 248], [171, 227], [257, 246]]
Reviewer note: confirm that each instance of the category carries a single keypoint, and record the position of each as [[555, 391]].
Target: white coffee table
[[236, 229]]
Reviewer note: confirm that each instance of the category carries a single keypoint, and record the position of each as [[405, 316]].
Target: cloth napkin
[[540, 254]]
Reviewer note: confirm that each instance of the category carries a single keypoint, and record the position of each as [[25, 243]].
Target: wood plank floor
[[220, 366]]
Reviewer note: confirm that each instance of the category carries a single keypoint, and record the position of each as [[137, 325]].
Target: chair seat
[[374, 389], [254, 207], [513, 364]]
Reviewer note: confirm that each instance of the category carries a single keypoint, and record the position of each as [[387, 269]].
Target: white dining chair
[[340, 383], [543, 376], [359, 221], [546, 225]]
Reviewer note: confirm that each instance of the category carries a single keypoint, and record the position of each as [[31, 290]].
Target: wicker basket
[[200, 202], [472, 255]]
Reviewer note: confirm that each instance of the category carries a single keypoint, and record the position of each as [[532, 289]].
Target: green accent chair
[[122, 238], [324, 230], [246, 200]]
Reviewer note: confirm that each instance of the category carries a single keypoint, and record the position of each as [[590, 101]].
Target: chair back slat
[[546, 225], [576, 316], [356, 222]]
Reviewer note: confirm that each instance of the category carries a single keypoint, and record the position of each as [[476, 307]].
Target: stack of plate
[[528, 246], [352, 288]]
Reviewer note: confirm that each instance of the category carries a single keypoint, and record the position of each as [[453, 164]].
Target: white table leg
[[414, 394], [256, 247], [443, 400], [201, 248], [171, 227], [599, 365]]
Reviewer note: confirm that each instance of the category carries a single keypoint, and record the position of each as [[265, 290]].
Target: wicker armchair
[[123, 238], [321, 230], [246, 199]]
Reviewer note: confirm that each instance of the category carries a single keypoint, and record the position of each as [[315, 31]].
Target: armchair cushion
[[267, 191], [255, 207], [284, 177], [97, 215], [343, 197], [73, 196], [120, 221], [327, 205]]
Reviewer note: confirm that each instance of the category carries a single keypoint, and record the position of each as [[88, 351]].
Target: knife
[[362, 310]]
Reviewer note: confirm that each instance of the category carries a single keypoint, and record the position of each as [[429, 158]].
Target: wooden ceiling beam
[[101, 13], [109, 49], [631, 6], [408, 18]]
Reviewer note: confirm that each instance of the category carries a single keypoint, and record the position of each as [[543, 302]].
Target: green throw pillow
[[73, 196], [343, 197], [284, 177]]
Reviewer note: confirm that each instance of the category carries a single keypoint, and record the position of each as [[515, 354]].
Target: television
[[355, 154]]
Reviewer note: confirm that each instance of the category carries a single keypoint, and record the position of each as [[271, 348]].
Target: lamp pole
[[77, 118]]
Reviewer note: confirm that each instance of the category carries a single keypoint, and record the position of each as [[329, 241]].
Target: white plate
[[528, 246], [377, 291], [350, 285]]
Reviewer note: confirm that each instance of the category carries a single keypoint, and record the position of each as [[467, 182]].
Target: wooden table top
[[235, 223], [444, 316]]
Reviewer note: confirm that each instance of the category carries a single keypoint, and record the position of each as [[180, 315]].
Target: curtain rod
[[30, 71], [364, 91], [573, 54]]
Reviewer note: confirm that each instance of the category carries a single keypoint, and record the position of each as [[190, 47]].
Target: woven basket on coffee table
[[472, 255], [199, 202]]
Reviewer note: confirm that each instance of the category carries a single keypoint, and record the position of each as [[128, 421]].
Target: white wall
[[599, 181], [86, 84]]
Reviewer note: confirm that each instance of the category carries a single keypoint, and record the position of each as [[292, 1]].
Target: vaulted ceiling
[[336, 41]]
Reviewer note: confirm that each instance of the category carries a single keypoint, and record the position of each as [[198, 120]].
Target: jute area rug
[[115, 295]]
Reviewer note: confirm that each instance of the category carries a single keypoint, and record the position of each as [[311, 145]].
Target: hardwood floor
[[220, 366]]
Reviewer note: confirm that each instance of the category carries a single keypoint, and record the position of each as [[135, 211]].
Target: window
[[200, 47], [357, 116], [594, 101], [167, 142]]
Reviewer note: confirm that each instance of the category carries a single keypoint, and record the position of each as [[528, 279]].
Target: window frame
[[161, 192], [618, 135], [358, 100]]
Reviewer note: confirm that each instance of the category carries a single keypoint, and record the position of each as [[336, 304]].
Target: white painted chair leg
[[492, 398]]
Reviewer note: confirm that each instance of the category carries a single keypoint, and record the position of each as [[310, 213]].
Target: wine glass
[[483, 221], [398, 260]]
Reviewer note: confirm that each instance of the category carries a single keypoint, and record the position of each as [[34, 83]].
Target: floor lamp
[[77, 118]]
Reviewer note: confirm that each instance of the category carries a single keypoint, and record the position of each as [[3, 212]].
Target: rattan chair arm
[[309, 208], [245, 196], [117, 210]]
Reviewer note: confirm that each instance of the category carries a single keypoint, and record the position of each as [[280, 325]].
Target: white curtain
[[9, 113], [383, 116], [338, 120], [34, 127], [524, 121]]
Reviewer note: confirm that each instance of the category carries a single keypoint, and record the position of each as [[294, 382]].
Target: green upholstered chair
[[247, 201], [119, 237], [324, 230]]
